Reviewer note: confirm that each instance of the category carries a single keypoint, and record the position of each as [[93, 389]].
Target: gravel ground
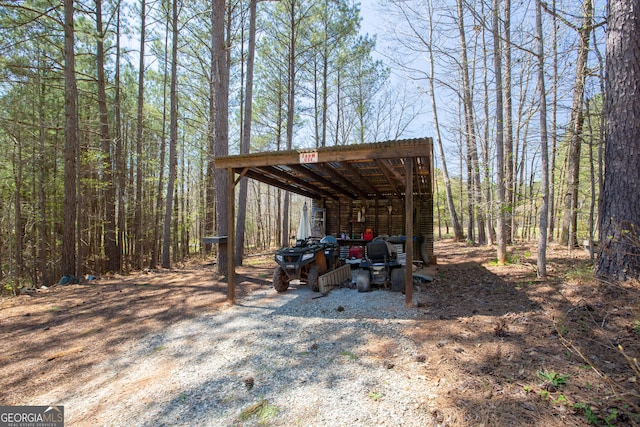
[[273, 359]]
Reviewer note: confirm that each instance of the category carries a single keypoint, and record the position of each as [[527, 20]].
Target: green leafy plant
[[11, 288], [611, 417], [349, 354], [374, 395], [553, 378], [561, 400], [580, 273], [261, 410], [588, 413], [510, 259], [513, 259]]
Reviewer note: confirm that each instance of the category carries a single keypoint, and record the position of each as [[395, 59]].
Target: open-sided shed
[[385, 187]]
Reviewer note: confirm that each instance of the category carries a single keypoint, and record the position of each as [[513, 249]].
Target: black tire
[[280, 280], [363, 281], [312, 279], [397, 279]]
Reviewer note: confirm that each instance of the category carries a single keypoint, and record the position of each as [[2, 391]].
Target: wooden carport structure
[[392, 180]]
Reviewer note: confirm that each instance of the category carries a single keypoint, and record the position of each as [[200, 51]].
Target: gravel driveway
[[273, 359]]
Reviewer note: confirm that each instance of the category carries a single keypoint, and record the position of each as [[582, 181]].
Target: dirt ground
[[499, 347]]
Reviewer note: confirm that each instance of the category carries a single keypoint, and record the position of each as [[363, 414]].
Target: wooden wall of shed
[[342, 217]]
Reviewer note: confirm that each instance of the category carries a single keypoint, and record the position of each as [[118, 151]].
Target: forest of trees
[[112, 114]]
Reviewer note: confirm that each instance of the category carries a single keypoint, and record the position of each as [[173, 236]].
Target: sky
[[375, 25]]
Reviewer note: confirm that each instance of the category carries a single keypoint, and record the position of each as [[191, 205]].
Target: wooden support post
[[231, 239], [408, 207]]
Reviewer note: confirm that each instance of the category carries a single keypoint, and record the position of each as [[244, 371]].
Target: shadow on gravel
[[295, 365], [469, 290]]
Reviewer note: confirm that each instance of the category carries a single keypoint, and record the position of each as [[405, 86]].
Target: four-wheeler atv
[[380, 267], [306, 261]]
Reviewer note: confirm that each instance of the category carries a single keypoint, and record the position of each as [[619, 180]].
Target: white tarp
[[304, 229]]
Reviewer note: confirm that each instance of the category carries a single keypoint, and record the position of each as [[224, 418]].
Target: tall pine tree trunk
[[220, 71], [156, 249], [119, 157], [489, 229], [457, 227], [541, 267], [508, 127], [497, 58], [70, 146], [44, 242], [137, 221], [620, 218], [110, 239], [291, 90], [474, 184], [576, 121], [245, 146], [173, 139], [554, 125]]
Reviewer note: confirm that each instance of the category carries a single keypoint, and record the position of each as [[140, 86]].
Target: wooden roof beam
[[286, 177], [390, 176], [349, 184], [280, 184], [360, 179], [313, 175]]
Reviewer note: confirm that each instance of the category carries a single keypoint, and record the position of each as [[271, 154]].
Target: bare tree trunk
[[155, 244], [71, 145], [554, 125], [137, 221], [210, 186], [620, 218], [592, 180], [497, 51], [81, 214], [475, 193], [19, 222], [576, 120], [173, 140], [291, 90], [110, 239], [278, 196], [457, 227], [325, 88], [119, 159], [541, 266], [508, 126], [601, 126], [485, 155], [245, 147], [184, 206], [220, 67], [43, 177]]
